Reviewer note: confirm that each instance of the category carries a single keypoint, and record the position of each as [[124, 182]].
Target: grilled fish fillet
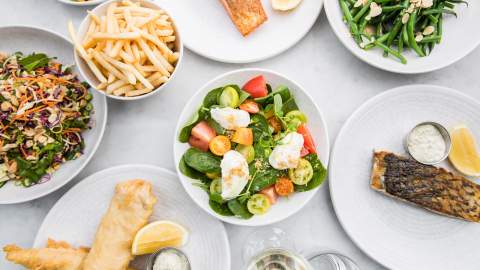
[[56, 256], [245, 14], [130, 209], [432, 188]]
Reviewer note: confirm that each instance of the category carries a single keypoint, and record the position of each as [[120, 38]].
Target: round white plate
[[84, 3], [396, 234], [284, 207], [28, 39], [460, 37], [207, 29], [75, 217]]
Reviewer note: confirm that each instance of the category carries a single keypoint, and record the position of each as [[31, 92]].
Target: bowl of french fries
[[127, 49]]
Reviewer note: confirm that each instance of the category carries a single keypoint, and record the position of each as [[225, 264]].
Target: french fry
[[94, 17], [114, 86], [124, 89], [151, 56], [138, 92], [116, 36], [130, 69], [99, 58]]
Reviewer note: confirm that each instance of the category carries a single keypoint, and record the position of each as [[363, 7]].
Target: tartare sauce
[[170, 260], [426, 144]]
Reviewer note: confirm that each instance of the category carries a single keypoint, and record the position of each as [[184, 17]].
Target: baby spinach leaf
[[216, 197], [239, 209], [221, 209], [289, 105], [216, 126], [34, 61], [277, 105], [187, 129], [212, 97], [192, 173], [264, 175], [319, 174], [283, 91], [259, 126], [203, 162]]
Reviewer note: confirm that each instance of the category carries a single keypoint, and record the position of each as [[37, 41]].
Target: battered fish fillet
[[432, 188], [56, 256], [129, 211]]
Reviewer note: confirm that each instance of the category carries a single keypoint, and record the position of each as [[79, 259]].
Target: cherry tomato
[[220, 145], [216, 186], [229, 97], [270, 193], [243, 136], [203, 132], [284, 186], [256, 87], [275, 124], [307, 139], [250, 106], [302, 174], [258, 204]]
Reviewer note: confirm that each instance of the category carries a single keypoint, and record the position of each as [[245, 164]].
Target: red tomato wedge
[[304, 152], [307, 139], [270, 193], [250, 106], [256, 87], [203, 132], [198, 143]]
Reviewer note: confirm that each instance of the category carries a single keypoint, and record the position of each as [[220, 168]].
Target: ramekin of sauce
[[168, 259], [429, 143]]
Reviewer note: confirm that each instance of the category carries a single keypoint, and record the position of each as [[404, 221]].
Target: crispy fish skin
[[56, 256], [247, 15], [129, 210], [432, 188]]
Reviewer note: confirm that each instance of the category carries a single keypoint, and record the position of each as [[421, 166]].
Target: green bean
[[433, 19], [430, 39], [440, 28], [391, 51], [440, 11], [405, 35], [348, 17], [449, 5], [362, 12], [400, 45], [392, 8], [411, 34]]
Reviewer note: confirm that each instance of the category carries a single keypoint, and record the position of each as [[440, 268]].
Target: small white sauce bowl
[[82, 4], [446, 137], [88, 74]]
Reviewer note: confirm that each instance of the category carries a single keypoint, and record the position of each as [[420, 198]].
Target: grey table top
[[337, 80]]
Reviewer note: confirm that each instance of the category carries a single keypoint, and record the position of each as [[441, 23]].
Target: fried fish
[[432, 188], [247, 15]]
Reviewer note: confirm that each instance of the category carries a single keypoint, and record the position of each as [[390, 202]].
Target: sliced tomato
[[243, 136], [275, 124], [256, 87], [220, 145], [304, 152], [284, 186], [270, 193], [198, 143], [203, 132], [307, 139], [250, 106]]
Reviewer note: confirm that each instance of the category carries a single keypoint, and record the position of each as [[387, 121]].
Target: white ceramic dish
[[85, 3], [207, 247], [284, 207], [88, 74], [208, 30], [396, 234], [28, 39], [460, 37]]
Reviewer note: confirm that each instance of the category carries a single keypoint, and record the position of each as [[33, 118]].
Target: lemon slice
[[285, 5], [464, 155], [157, 235]]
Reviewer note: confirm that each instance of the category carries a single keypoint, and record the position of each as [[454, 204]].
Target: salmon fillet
[[429, 187], [247, 15]]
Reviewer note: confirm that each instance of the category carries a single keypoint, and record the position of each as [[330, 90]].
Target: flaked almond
[[427, 3], [428, 30], [52, 118], [375, 10], [6, 106], [405, 18], [418, 37], [6, 95], [360, 3], [411, 8]]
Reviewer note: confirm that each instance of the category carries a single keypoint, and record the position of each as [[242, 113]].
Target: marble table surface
[[319, 62]]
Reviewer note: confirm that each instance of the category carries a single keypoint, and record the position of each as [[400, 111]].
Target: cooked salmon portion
[[432, 188], [245, 14]]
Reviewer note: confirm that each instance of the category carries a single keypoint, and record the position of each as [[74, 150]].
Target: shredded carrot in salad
[[44, 109]]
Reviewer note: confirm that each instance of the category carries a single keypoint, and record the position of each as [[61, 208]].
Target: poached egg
[[235, 174], [286, 153], [230, 118]]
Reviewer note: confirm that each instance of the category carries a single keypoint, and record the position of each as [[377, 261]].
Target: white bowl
[[284, 207], [85, 3], [29, 39], [460, 37], [88, 74]]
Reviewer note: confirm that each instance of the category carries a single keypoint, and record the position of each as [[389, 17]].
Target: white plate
[[284, 207], [207, 30], [207, 247], [396, 234], [460, 37], [28, 39], [85, 3]]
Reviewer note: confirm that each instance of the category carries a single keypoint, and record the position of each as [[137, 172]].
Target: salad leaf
[[34, 61], [259, 126], [283, 91], [212, 97], [216, 197], [239, 209], [319, 174], [289, 105], [192, 173], [216, 126], [277, 105], [187, 129], [264, 175], [221, 209], [204, 162]]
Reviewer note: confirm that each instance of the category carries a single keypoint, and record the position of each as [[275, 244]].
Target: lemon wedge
[[464, 155], [285, 5], [157, 235]]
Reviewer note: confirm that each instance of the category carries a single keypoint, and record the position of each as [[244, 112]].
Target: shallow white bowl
[[86, 3], [284, 207], [28, 39], [88, 74], [460, 37]]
